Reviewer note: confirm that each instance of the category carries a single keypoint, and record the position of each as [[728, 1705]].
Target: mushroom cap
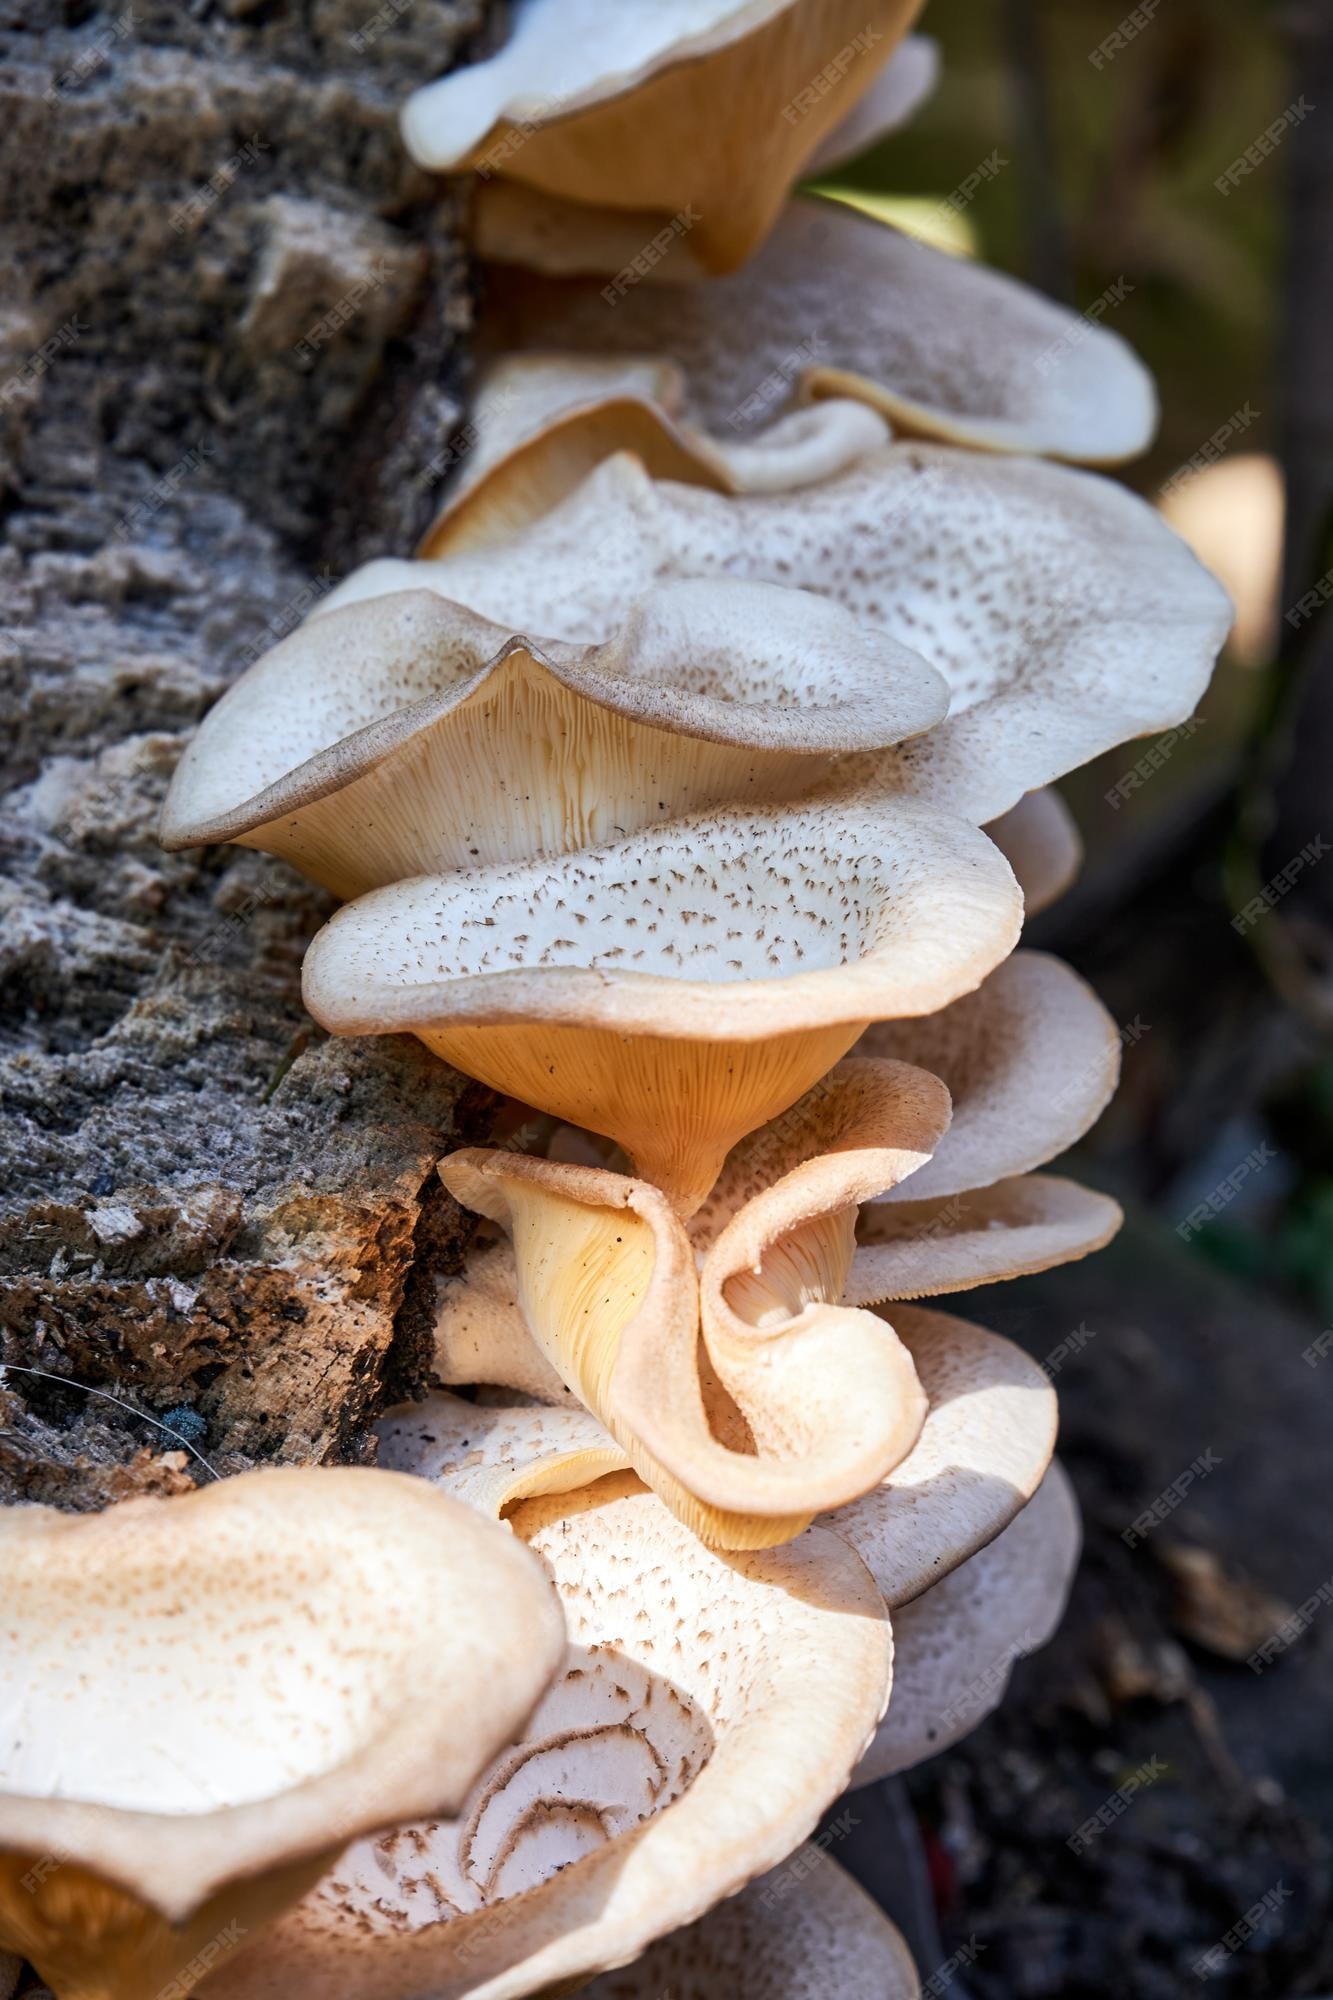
[[406, 734], [1040, 840], [1030, 1060], [727, 1389], [656, 110], [710, 1709], [907, 80], [942, 347], [802, 1932], [245, 1758], [955, 1646], [1065, 616], [543, 422], [733, 926], [917, 1249]]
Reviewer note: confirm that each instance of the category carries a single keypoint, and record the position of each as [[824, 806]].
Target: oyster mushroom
[[405, 734], [955, 1646], [1063, 614], [694, 116], [239, 1730], [803, 1932], [1041, 842], [710, 1709], [675, 990], [727, 1390]]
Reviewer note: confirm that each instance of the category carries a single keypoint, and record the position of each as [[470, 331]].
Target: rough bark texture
[[234, 326]]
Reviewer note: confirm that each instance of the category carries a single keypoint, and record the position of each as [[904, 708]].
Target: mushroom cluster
[[688, 788]]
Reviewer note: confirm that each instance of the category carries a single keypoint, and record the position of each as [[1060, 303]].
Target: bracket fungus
[[1061, 611], [709, 1710], [239, 1729], [680, 124], [407, 735], [675, 990]]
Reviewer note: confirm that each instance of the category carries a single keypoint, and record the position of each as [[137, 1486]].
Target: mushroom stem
[[676, 1107]]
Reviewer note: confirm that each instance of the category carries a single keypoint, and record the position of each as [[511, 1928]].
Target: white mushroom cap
[[698, 112], [910, 76], [727, 1389], [407, 734], [838, 303], [916, 1249], [239, 1729], [1040, 840], [711, 1708], [1061, 611], [1030, 1059], [677, 989], [955, 1646], [803, 1932]]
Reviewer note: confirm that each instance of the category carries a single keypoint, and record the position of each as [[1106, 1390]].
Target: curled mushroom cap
[[406, 734], [839, 304], [694, 115], [239, 1730], [955, 1646], [1040, 840], [1030, 1059], [803, 1932], [675, 990], [1063, 614], [542, 422], [728, 1390], [709, 1710]]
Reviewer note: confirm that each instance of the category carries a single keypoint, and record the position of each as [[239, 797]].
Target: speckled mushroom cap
[[803, 1932], [240, 1729], [709, 1711], [1040, 840], [675, 990], [981, 1453], [1063, 614], [727, 1388], [1030, 1059], [838, 303], [955, 1646], [540, 423], [407, 734], [693, 115]]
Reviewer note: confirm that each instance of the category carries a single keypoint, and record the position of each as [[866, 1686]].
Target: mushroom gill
[[675, 990], [284, 1661]]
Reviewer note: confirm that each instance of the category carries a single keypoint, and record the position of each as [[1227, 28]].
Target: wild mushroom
[[1063, 614], [802, 1932], [1040, 840], [694, 116], [711, 1707], [406, 735], [955, 1645], [677, 989], [241, 1726], [727, 1391]]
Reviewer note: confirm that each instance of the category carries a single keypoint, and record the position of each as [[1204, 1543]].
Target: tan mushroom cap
[[710, 1709], [694, 115], [1030, 1059], [804, 1932], [675, 990], [916, 1249], [727, 1389], [956, 1645], [838, 303], [983, 1451], [406, 735], [1063, 614], [543, 422], [1040, 840], [240, 1730]]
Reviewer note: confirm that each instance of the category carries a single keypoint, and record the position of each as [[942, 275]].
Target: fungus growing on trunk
[[406, 735], [678, 126], [675, 990], [239, 1730]]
